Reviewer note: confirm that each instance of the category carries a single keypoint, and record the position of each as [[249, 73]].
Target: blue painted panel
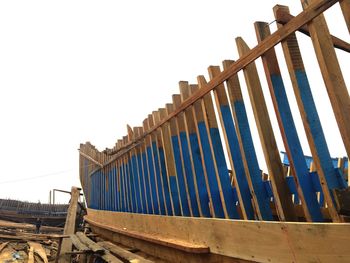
[[189, 174], [209, 165], [199, 173], [300, 167], [165, 183], [223, 174], [159, 180], [180, 176], [252, 161], [142, 184], [268, 189], [152, 180], [147, 184], [237, 160], [175, 195]]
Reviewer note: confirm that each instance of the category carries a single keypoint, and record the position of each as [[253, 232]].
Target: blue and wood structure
[[189, 181]]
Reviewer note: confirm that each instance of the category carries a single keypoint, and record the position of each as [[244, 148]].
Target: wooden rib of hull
[[257, 241]]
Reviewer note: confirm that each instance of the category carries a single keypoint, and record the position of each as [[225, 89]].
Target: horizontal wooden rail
[[294, 24]]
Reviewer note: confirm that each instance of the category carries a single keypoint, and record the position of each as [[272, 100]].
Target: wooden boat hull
[[257, 241]]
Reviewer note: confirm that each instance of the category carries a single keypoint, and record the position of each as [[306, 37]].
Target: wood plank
[[31, 255], [195, 153], [78, 244], [259, 241], [123, 253], [186, 160], [280, 190], [312, 124], [283, 18], [170, 163], [90, 244], [179, 163], [3, 245], [232, 146], [69, 227], [289, 133], [303, 18], [345, 7], [331, 73], [250, 161], [39, 250], [216, 197]]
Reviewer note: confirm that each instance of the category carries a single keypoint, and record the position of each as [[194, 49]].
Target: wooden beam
[[303, 18], [280, 190], [69, 227], [331, 73], [283, 18], [288, 130], [345, 7]]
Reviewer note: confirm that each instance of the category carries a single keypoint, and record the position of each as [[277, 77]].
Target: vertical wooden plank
[[217, 197], [158, 150], [156, 195], [310, 118], [232, 146], [146, 170], [282, 198], [186, 160], [170, 163], [250, 161], [178, 158], [218, 155], [135, 172], [288, 130], [195, 153], [345, 7], [162, 193], [331, 73]]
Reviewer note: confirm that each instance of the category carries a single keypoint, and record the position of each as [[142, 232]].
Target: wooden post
[[250, 161], [321, 157], [331, 73], [288, 130], [345, 7], [282, 197], [233, 148], [69, 227]]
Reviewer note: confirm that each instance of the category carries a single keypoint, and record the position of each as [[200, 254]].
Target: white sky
[[76, 71]]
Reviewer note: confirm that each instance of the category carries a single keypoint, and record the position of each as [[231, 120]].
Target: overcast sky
[[76, 71]]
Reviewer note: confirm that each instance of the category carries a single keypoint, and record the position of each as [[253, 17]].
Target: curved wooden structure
[[187, 186]]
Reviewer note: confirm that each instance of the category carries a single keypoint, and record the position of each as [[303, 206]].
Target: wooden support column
[[187, 161], [282, 197], [288, 130], [312, 124], [331, 73], [179, 163], [69, 227], [196, 153], [345, 7], [232, 146], [250, 161]]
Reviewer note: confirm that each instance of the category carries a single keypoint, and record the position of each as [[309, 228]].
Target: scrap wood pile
[[18, 243]]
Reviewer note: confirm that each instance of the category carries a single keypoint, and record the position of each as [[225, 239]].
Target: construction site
[[187, 184]]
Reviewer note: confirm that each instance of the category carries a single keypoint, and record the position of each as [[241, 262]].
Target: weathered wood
[[91, 244], [3, 245], [78, 244], [31, 255], [39, 250], [69, 227], [280, 190], [123, 253]]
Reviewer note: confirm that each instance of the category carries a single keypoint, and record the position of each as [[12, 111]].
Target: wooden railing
[[177, 162]]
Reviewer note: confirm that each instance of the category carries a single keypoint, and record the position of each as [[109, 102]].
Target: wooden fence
[[176, 163]]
